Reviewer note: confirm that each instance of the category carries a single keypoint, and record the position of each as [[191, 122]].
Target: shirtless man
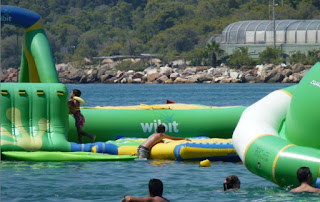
[[155, 138], [305, 178], [155, 193]]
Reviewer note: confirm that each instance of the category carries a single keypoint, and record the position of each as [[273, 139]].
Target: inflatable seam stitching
[[250, 143]]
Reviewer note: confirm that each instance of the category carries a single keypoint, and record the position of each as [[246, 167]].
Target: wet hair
[[231, 182], [76, 92], [304, 175], [155, 187], [161, 129]]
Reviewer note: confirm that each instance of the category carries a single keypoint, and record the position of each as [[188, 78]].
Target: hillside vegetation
[[170, 28]]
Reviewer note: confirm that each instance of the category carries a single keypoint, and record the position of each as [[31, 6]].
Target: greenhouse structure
[[290, 35]]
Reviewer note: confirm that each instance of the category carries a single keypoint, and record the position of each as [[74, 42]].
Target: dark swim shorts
[[143, 152]]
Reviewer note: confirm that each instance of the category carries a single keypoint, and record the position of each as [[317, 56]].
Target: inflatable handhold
[[79, 99], [205, 163], [94, 149]]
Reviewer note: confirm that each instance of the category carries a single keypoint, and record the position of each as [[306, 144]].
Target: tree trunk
[[214, 60]]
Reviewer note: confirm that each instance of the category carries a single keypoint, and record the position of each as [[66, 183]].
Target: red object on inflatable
[[170, 102]]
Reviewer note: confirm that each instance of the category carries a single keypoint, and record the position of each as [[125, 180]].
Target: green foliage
[[131, 27], [313, 56], [212, 54], [10, 52], [240, 57], [126, 65], [298, 57], [271, 55]]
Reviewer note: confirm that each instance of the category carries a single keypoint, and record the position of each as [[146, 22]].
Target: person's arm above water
[[175, 138], [128, 198]]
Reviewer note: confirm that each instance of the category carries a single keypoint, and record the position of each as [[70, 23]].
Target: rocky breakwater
[[270, 73]]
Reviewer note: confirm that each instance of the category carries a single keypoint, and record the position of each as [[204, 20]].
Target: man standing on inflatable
[[74, 106]]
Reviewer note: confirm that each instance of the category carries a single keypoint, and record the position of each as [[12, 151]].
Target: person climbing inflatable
[[74, 106]]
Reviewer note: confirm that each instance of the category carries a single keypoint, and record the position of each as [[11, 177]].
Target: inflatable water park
[[36, 125], [273, 137]]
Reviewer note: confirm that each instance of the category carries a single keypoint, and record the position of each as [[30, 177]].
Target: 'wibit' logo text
[[5, 17], [151, 127]]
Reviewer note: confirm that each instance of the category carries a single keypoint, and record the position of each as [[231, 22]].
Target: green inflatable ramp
[[42, 156], [34, 117]]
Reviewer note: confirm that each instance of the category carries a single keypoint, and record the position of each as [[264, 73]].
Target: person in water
[[74, 107], [304, 176], [155, 193], [155, 138], [231, 182]]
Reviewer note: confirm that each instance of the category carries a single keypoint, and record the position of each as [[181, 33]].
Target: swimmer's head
[[231, 182], [161, 129], [76, 92], [304, 175], [155, 187]]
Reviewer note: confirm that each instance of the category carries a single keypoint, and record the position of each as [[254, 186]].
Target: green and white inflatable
[[281, 132], [35, 115]]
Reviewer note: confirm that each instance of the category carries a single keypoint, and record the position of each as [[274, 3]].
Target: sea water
[[110, 181]]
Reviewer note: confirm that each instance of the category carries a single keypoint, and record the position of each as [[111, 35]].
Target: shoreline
[[69, 73]]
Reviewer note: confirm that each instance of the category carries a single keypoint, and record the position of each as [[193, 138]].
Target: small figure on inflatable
[[74, 106]]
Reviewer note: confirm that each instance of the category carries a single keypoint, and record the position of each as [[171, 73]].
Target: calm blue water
[[109, 181]]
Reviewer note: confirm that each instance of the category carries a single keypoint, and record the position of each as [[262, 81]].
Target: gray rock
[[234, 75], [136, 80], [303, 72], [219, 79], [271, 76], [189, 71], [286, 72], [297, 68], [236, 81], [124, 80], [285, 80], [225, 80], [129, 73], [180, 80], [204, 77], [192, 79], [173, 76], [166, 71], [111, 80], [217, 71], [137, 75], [150, 70], [263, 69], [120, 74], [102, 70], [152, 77], [76, 74], [83, 79], [249, 78], [162, 79], [278, 77], [105, 77], [144, 78]]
